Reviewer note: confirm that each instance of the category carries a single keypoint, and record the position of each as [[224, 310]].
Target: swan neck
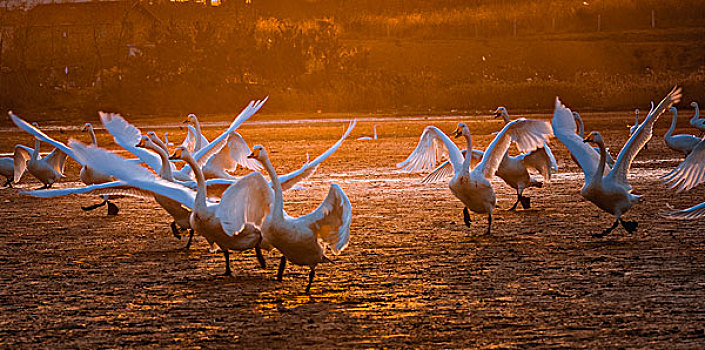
[[200, 202], [278, 209], [601, 165], [35, 154], [674, 121], [468, 156], [581, 127], [93, 139], [505, 116], [165, 172], [160, 143], [696, 116], [375, 128], [197, 125]]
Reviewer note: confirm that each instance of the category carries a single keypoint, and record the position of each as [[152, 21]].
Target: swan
[[502, 112], [472, 186], [8, 164], [611, 192], [223, 223], [365, 138], [581, 133], [683, 143], [89, 177], [127, 136], [513, 170], [695, 121], [303, 240], [194, 138], [49, 169], [688, 174]]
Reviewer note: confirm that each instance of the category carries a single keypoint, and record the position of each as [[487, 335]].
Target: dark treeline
[[342, 55]]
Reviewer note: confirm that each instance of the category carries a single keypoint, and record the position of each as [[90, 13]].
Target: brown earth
[[413, 275]]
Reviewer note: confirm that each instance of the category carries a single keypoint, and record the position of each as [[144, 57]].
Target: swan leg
[[514, 207], [607, 230], [466, 217], [489, 224], [260, 257], [525, 202], [630, 226], [95, 206], [43, 187], [280, 271], [190, 238], [112, 208], [226, 253], [311, 275], [175, 230]]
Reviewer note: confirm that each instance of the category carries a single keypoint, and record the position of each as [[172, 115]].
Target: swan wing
[[219, 142], [640, 137], [529, 134], [20, 158], [541, 160], [445, 169], [245, 201], [108, 188], [330, 222], [41, 136], [190, 140], [57, 160], [563, 125], [289, 180], [694, 212], [128, 136], [235, 154], [432, 146], [689, 173], [111, 164]]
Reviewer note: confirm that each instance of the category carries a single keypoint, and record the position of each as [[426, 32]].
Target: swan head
[[501, 111], [594, 137], [694, 104], [673, 110], [87, 127], [461, 130], [576, 116], [143, 142], [35, 124], [191, 118], [258, 153], [181, 153]]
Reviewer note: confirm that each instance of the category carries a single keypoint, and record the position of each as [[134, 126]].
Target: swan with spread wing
[[688, 174], [472, 186], [610, 192]]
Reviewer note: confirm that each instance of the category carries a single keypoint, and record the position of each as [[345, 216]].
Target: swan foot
[[280, 271], [466, 217], [607, 230], [7, 183], [190, 239], [260, 257], [311, 275], [525, 202], [43, 187], [95, 206], [228, 272], [630, 226], [489, 224], [514, 207], [112, 208], [175, 230]]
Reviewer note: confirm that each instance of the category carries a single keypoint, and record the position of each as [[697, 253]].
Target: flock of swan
[[238, 214]]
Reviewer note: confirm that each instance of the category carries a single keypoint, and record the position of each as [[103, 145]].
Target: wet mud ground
[[412, 276]]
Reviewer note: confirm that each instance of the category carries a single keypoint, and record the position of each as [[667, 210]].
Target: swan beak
[[587, 140], [457, 133], [84, 129], [185, 121], [252, 156], [141, 144], [176, 155]]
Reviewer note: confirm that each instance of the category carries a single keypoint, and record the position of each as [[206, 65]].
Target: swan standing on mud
[[683, 143], [472, 186], [50, 169], [303, 240], [611, 193], [14, 167]]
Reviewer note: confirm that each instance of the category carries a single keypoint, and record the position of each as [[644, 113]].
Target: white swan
[[17, 164], [303, 240], [695, 121], [365, 138], [688, 174], [194, 140], [49, 169], [89, 177], [581, 133], [513, 170], [611, 193], [683, 143], [473, 187], [221, 223]]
